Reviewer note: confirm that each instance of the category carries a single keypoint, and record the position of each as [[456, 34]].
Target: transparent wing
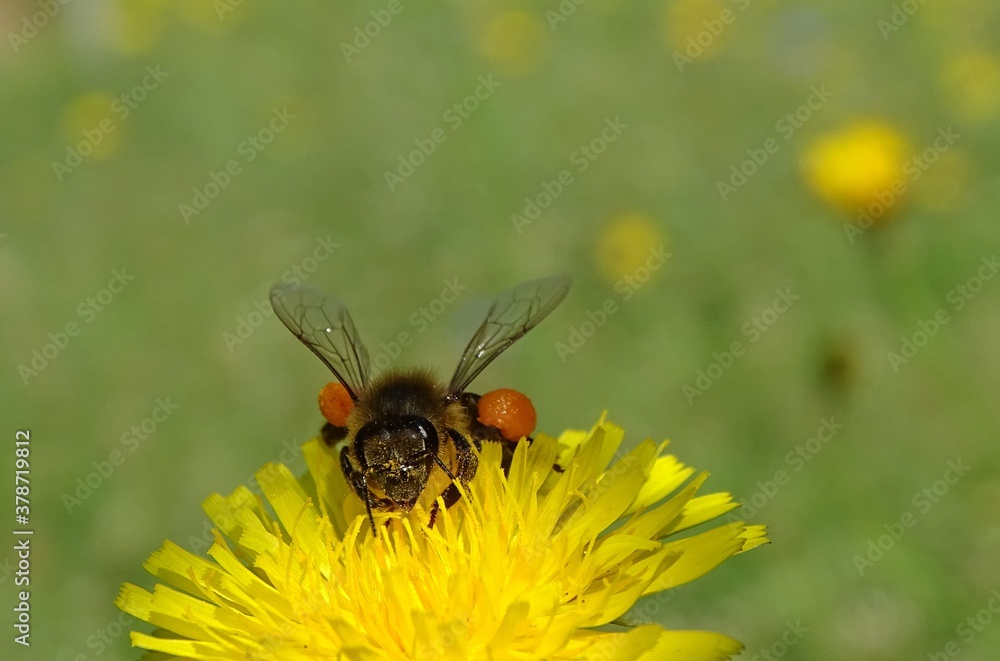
[[323, 324], [512, 314]]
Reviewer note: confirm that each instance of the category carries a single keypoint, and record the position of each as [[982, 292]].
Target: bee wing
[[512, 314], [323, 324]]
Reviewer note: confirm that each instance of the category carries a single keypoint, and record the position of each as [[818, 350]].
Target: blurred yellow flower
[[138, 25], [858, 169], [525, 566], [86, 120], [973, 81], [513, 41], [625, 244]]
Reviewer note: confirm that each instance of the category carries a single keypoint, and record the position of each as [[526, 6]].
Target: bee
[[405, 429]]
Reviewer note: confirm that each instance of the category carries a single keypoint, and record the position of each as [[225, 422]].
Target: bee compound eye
[[418, 437], [335, 403], [509, 411], [424, 428]]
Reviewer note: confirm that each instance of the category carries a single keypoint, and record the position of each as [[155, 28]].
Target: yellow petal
[[666, 475], [693, 646], [622, 646], [704, 508], [700, 554]]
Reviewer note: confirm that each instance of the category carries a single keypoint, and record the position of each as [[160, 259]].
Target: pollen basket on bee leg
[[509, 411], [335, 403]]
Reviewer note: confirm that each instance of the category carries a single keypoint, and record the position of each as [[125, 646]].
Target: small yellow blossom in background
[[138, 25], [699, 28], [86, 119], [525, 566], [513, 41], [856, 169], [973, 83], [626, 244]]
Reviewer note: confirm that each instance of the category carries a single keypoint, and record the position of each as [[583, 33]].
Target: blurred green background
[[95, 187]]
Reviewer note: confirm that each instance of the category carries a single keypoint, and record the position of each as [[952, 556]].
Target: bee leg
[[357, 481], [434, 513], [442, 466], [450, 496], [467, 460], [354, 477], [467, 464], [481, 432], [368, 503], [332, 434]]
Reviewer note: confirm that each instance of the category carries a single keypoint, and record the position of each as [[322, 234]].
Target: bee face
[[395, 455], [403, 427]]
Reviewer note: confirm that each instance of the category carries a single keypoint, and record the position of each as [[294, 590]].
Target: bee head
[[396, 455]]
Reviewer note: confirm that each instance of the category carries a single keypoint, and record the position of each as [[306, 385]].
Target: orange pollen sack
[[509, 411], [335, 403]]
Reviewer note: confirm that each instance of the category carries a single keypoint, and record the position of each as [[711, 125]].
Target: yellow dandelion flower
[[513, 41], [525, 566], [858, 169], [629, 243]]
